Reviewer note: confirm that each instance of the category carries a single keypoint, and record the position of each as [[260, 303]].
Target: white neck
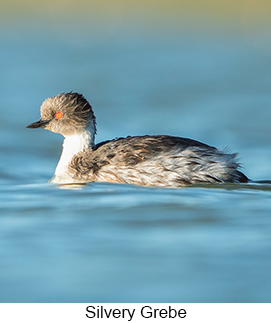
[[72, 145]]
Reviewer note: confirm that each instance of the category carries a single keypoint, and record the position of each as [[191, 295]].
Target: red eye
[[58, 115]]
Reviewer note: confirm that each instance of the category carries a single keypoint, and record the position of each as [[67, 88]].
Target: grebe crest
[[68, 114], [141, 160]]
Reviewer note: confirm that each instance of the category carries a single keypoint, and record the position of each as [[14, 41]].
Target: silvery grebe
[[140, 160]]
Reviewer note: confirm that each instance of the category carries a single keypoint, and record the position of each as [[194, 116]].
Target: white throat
[[72, 145]]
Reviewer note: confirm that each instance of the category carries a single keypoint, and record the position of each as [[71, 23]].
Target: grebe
[[140, 160]]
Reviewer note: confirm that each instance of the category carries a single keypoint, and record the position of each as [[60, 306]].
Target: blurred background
[[198, 69], [187, 68]]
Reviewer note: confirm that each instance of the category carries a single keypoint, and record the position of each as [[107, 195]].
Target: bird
[[149, 160]]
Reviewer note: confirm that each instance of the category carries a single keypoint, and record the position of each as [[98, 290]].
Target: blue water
[[119, 243]]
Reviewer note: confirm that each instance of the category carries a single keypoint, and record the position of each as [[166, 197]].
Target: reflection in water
[[265, 186], [71, 186]]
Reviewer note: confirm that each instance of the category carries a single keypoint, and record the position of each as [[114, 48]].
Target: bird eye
[[58, 115]]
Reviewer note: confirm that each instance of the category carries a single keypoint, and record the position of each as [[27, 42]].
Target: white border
[[77, 313]]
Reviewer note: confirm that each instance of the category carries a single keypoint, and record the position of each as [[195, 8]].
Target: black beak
[[39, 124]]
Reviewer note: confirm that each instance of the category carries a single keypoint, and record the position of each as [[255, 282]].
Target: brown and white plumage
[[141, 160]]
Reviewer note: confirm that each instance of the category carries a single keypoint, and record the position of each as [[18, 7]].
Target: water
[[119, 243]]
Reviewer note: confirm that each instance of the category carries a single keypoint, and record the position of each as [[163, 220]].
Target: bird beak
[[39, 124]]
